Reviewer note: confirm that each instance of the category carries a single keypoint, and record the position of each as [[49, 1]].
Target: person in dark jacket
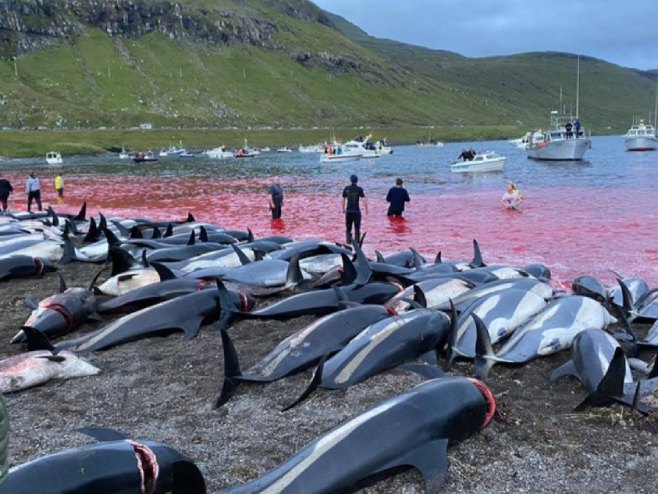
[[351, 195], [276, 198], [396, 198], [5, 191]]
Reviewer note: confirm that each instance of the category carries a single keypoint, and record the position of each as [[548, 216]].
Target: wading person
[[512, 198], [33, 191], [276, 198], [59, 185], [351, 195], [396, 198], [5, 191]]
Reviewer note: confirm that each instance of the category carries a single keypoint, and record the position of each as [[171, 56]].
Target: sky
[[622, 32]]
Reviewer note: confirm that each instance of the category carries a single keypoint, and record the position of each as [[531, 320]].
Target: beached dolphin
[[116, 465], [588, 286], [381, 346], [502, 312], [431, 293], [24, 267], [591, 355], [413, 429], [30, 369], [301, 350], [549, 331]]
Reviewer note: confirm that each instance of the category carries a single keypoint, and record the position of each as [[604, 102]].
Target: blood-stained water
[[591, 218]]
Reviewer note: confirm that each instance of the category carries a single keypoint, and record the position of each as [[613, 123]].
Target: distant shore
[[32, 143]]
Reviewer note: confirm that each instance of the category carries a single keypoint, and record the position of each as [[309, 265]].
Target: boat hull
[[493, 165], [339, 158], [562, 150], [641, 143]]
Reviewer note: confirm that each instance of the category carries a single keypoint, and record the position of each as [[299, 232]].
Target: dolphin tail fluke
[[611, 387], [226, 307], [477, 261], [485, 358], [362, 239], [36, 340], [566, 369], [231, 370], [313, 385], [363, 269], [349, 274], [82, 214]]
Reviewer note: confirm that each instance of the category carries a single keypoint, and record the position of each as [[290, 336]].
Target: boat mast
[[577, 85]]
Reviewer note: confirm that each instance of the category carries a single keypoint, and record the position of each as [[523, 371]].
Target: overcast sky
[[621, 32]]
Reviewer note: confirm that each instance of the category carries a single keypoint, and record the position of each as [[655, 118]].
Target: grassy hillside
[[314, 70]]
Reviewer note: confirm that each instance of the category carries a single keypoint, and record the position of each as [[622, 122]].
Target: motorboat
[[522, 142], [339, 153], [53, 158], [148, 157], [383, 147], [487, 161], [641, 137], [566, 140], [284, 149], [171, 151], [219, 153], [246, 151], [124, 155], [187, 154]]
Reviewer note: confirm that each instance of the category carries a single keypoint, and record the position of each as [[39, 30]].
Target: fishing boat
[[338, 153], [53, 158], [148, 157], [219, 153], [488, 161], [566, 140], [641, 137]]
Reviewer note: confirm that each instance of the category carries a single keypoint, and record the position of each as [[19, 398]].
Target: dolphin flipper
[[313, 385], [566, 369]]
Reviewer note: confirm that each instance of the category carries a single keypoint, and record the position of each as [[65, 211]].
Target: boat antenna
[[577, 84]]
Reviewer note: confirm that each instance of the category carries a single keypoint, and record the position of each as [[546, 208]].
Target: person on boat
[[576, 128], [467, 155], [351, 195], [396, 198], [5, 191], [568, 126], [512, 198], [33, 191], [59, 185], [276, 198]]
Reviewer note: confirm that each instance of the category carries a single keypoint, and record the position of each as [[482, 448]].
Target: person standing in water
[[397, 196], [33, 191], [512, 198], [351, 195], [5, 191], [276, 198]]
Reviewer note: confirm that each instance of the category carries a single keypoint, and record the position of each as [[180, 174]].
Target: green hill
[[281, 63]]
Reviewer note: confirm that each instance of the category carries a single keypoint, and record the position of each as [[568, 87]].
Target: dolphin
[[30, 369], [300, 350], [588, 286], [431, 293], [413, 429], [549, 331], [381, 346], [115, 465], [23, 267]]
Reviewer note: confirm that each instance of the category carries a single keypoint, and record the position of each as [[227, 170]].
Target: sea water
[[579, 218]]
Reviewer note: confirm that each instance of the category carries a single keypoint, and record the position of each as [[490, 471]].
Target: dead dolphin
[[413, 429]]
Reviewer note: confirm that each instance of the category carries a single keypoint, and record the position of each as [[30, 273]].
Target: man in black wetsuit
[[5, 190], [351, 195], [397, 196]]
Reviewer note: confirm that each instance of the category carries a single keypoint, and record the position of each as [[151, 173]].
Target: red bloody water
[[571, 232]]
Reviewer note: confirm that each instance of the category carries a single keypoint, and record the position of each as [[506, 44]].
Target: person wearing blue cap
[[351, 195]]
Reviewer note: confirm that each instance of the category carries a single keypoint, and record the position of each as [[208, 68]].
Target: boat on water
[[487, 161], [220, 153], [383, 147], [246, 152], [429, 144], [124, 155], [641, 137], [147, 157], [318, 148], [338, 153], [187, 154], [522, 142], [53, 158], [365, 149], [566, 140], [284, 149]]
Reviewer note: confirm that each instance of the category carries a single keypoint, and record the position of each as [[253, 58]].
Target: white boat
[[171, 151], [186, 154], [561, 142], [123, 155], [219, 153], [53, 158], [487, 161], [641, 137], [363, 148], [318, 148], [338, 153], [522, 142], [382, 146], [284, 149]]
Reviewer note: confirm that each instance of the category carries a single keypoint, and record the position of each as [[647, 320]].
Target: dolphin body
[[383, 345], [115, 466], [413, 429], [30, 369], [502, 312], [549, 331], [300, 350], [433, 293], [20, 266], [186, 313]]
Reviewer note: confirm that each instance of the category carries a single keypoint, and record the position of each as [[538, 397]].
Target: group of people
[[572, 129], [397, 196], [32, 191]]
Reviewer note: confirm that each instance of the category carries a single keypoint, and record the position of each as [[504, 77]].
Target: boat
[[383, 147], [123, 155], [171, 151], [318, 148], [148, 157], [560, 142], [246, 151], [429, 144], [641, 137], [284, 149], [487, 161], [53, 158], [220, 153], [566, 140], [186, 154], [522, 142], [338, 153]]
